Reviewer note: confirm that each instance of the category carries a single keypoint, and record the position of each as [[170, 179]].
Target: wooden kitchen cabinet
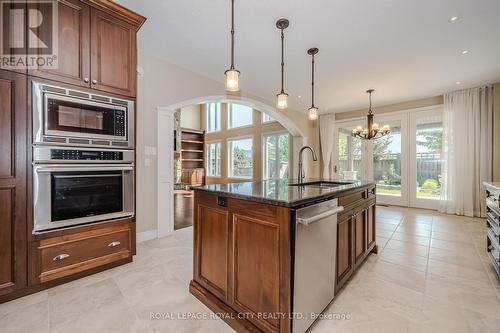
[[74, 45], [356, 234], [13, 145], [345, 245], [241, 256], [97, 47], [113, 54]]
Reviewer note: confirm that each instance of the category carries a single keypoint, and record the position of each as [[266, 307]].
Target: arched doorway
[[165, 144]]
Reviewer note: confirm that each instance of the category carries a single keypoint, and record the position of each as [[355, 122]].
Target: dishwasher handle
[[309, 220]]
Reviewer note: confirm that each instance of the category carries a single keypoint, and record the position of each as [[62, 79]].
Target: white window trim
[[229, 156], [206, 157], [267, 122], [207, 117]]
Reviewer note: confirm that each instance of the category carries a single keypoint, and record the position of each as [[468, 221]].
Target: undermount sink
[[321, 184]]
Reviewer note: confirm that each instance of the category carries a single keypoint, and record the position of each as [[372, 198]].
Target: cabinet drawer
[[74, 255], [352, 198]]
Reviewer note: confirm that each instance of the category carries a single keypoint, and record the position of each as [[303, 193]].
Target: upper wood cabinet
[[74, 45], [113, 59], [97, 46], [12, 181]]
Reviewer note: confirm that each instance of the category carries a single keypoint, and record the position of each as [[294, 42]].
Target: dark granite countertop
[[279, 192]]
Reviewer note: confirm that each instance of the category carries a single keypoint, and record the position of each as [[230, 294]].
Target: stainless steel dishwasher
[[314, 261]]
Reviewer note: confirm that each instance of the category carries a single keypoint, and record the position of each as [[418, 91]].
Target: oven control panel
[[47, 154], [94, 155]]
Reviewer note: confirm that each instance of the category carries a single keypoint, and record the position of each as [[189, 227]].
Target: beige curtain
[[326, 132], [467, 150]]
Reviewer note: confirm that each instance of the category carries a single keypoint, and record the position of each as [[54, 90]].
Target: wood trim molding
[[119, 11]]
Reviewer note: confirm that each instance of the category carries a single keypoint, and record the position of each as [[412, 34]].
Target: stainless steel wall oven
[[73, 186]]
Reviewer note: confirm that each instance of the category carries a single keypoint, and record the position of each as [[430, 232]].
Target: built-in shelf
[[192, 141], [192, 150], [192, 156]]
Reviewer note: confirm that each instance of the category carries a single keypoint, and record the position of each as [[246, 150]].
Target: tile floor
[[431, 275]]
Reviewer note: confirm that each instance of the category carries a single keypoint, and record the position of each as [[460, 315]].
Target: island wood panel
[[113, 54], [213, 249], [73, 44], [360, 235], [345, 264], [256, 269], [258, 266], [12, 181], [371, 227]]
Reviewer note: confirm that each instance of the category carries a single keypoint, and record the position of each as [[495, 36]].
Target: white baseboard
[[146, 235]]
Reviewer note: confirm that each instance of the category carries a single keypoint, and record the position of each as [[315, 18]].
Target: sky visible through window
[[241, 115]]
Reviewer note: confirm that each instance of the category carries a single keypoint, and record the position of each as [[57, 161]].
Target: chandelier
[[373, 131]]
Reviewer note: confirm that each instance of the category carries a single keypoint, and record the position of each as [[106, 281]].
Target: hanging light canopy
[[282, 97], [232, 75], [312, 113], [373, 131]]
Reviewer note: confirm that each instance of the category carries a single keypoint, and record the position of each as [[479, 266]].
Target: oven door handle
[[86, 168]]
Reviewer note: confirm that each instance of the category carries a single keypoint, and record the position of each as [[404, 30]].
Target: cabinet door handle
[[86, 80], [114, 243], [94, 81], [60, 257], [490, 247]]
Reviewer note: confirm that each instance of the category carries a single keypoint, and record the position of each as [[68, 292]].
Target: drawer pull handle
[[113, 244], [60, 257]]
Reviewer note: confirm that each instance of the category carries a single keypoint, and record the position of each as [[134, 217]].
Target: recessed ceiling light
[[465, 51], [458, 82], [454, 18], [299, 96]]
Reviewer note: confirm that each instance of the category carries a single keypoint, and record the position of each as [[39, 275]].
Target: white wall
[[191, 117], [165, 84]]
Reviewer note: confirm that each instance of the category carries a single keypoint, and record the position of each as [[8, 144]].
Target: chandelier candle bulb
[[375, 127]]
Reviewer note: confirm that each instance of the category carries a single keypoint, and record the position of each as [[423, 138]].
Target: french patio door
[[405, 165]]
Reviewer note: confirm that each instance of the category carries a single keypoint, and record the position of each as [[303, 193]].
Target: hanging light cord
[[312, 82], [370, 109], [232, 34], [282, 62]]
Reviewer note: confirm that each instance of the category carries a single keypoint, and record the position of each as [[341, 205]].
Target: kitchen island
[[247, 250]]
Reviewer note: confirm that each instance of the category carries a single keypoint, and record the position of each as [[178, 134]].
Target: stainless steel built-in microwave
[[69, 117]]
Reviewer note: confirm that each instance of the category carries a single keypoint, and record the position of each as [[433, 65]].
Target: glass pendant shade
[[232, 80], [282, 101], [312, 113]]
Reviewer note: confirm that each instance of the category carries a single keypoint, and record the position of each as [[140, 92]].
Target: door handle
[[308, 221], [114, 243], [335, 169]]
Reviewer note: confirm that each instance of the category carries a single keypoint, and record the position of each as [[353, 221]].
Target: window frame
[[230, 157], [264, 152], [207, 161], [229, 110], [207, 117], [269, 121]]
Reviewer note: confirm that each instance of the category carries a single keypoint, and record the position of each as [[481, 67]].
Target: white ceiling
[[405, 49]]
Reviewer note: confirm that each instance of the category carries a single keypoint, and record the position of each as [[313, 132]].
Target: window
[[276, 148], [387, 161], [267, 118], [213, 159], [213, 117], [349, 156], [241, 158], [240, 115]]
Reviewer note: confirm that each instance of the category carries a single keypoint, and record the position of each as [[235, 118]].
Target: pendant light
[[312, 113], [372, 131], [282, 97], [232, 75]]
